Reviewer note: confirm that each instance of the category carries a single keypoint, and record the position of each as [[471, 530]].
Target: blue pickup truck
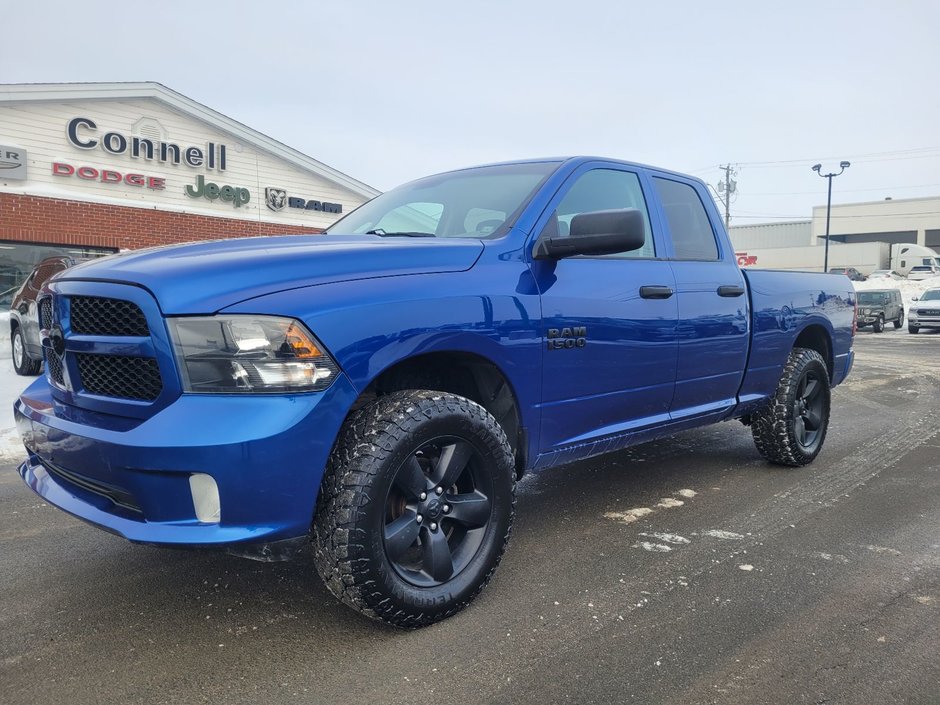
[[378, 390]]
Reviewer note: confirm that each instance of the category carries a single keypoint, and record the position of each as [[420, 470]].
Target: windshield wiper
[[381, 233]]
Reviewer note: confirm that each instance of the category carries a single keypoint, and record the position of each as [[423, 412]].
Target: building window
[[18, 259]]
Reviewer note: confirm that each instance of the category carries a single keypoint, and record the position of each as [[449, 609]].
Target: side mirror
[[915, 298], [597, 233]]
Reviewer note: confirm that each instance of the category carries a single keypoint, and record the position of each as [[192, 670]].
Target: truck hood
[[206, 277]]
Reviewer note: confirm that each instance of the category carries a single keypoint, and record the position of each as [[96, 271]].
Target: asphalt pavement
[[683, 571]]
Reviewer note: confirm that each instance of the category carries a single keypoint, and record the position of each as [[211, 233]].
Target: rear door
[[711, 292], [609, 362]]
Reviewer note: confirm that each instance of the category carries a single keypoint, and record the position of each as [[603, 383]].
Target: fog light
[[205, 498]]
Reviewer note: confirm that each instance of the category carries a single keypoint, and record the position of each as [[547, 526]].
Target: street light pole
[[843, 166]]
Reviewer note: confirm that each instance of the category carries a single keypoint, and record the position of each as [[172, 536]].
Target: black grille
[[45, 313], [93, 315], [120, 376], [54, 367], [930, 312]]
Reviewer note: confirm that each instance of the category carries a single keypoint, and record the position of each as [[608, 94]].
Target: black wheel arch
[[816, 337], [466, 374]]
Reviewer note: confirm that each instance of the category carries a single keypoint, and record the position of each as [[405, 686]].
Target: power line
[[892, 155], [854, 190], [869, 215]]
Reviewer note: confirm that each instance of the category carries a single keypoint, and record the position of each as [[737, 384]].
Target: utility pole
[[724, 191]]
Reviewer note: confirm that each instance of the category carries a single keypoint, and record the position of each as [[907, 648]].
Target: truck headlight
[[250, 354], [912, 314]]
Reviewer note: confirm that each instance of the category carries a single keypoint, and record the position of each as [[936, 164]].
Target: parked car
[[389, 381], [925, 313], [880, 306], [923, 271], [884, 274], [851, 272], [24, 315]]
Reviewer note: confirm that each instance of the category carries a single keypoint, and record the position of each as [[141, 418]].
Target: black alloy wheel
[[791, 428], [415, 508], [437, 511], [808, 410]]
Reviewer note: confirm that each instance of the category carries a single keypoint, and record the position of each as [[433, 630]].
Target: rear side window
[[692, 234]]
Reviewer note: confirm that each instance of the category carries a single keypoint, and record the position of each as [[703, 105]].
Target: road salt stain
[[883, 549], [629, 516], [669, 503], [667, 538], [654, 547], [726, 535]]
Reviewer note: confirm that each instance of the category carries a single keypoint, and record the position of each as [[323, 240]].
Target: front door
[[609, 322]]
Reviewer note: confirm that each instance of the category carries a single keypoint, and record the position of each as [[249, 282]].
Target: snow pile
[[11, 384]]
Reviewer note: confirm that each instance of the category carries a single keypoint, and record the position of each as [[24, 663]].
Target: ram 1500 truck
[[377, 390]]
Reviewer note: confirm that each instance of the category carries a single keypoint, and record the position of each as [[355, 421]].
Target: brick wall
[[65, 222]]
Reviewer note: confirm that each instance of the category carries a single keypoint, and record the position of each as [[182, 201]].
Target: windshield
[[932, 295], [869, 298], [474, 203]]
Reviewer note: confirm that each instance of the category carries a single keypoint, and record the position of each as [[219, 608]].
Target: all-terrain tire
[[776, 427], [879, 325], [349, 538], [900, 321], [23, 364]]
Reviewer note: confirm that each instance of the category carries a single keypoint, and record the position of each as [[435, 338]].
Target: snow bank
[[11, 384]]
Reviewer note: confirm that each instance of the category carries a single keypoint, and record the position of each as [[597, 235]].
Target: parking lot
[[742, 583]]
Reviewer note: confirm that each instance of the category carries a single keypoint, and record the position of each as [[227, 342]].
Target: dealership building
[[91, 169]]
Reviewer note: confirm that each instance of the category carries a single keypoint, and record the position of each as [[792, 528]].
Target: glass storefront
[[18, 259]]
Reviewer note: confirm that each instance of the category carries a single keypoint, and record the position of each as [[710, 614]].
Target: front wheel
[[913, 330], [900, 321], [879, 325], [791, 429], [22, 363], [415, 508]]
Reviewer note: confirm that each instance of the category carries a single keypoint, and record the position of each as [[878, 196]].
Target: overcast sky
[[389, 91]]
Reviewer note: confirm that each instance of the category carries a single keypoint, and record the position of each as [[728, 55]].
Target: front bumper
[[266, 454], [924, 322]]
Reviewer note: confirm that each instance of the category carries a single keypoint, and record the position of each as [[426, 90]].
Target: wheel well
[[815, 337], [466, 374], [14, 324]]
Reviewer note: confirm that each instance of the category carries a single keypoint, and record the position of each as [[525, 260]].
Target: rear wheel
[[879, 325], [22, 363], [791, 429], [416, 507]]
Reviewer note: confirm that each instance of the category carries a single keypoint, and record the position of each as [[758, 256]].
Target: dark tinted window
[[692, 235], [601, 190]]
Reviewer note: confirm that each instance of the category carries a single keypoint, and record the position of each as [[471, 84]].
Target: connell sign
[[82, 132]]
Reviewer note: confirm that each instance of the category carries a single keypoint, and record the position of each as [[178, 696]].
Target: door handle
[[730, 290], [655, 292]]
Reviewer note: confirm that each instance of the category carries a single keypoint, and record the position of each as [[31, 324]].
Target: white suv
[[925, 313]]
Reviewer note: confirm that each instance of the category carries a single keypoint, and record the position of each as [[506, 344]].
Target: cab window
[[601, 190], [691, 232]]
